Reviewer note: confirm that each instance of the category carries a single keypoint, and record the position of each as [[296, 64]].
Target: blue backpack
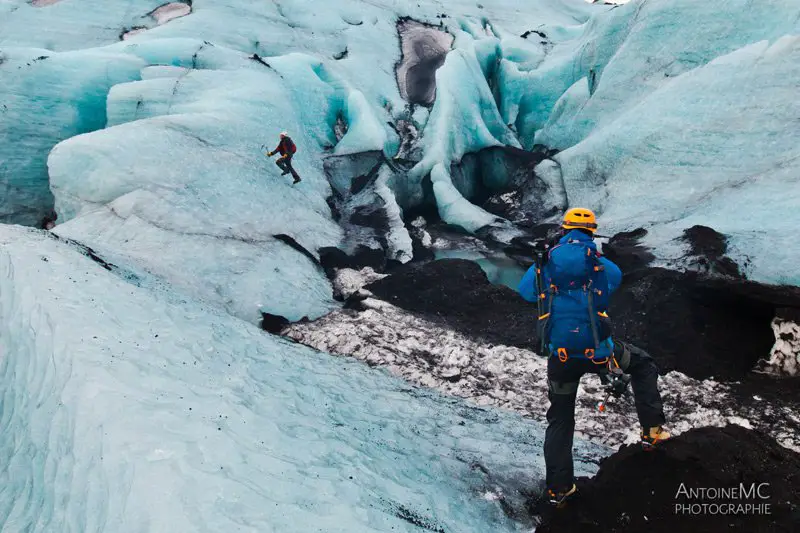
[[575, 320]]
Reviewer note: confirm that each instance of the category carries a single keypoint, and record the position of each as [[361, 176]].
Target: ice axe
[[616, 384]]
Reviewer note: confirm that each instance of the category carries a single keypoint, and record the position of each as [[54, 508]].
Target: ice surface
[[365, 132], [464, 119], [398, 238], [668, 120], [453, 207], [718, 144], [181, 171], [299, 87], [213, 221], [637, 48], [70, 24], [47, 98], [498, 268], [163, 71], [632, 92], [178, 168], [561, 121], [128, 409], [424, 50]]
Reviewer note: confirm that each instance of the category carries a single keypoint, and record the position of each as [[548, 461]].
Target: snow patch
[[132, 33], [418, 227], [348, 281], [400, 245], [171, 11], [785, 356]]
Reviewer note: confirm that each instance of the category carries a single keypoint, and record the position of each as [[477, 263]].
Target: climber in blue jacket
[[575, 306], [572, 287]]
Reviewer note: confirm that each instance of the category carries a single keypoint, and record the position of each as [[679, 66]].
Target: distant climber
[[287, 149], [572, 284], [49, 221]]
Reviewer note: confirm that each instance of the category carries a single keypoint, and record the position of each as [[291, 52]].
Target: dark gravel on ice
[[638, 491]]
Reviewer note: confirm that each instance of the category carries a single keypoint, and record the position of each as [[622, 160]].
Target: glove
[[270, 154]]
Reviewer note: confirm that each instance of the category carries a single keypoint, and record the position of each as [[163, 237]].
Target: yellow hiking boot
[[651, 436], [559, 498]]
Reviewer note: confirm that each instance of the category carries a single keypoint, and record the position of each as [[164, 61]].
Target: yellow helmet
[[580, 218]]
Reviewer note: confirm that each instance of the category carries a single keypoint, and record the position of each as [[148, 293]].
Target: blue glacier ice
[[641, 46], [464, 119], [499, 269], [127, 408], [691, 122], [47, 98], [174, 160], [216, 217], [144, 124]]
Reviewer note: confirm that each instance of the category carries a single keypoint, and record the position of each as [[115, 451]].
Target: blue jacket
[[530, 292]]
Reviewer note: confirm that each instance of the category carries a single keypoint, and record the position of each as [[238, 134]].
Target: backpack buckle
[[562, 355]]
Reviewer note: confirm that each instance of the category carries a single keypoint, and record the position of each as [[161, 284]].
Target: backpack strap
[[592, 323], [544, 318], [540, 298]]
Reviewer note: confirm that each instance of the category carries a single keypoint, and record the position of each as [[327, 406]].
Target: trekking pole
[[539, 300]]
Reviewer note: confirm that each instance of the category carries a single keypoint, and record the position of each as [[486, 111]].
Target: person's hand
[[270, 154]]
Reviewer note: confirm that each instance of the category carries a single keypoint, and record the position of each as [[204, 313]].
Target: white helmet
[[284, 134]]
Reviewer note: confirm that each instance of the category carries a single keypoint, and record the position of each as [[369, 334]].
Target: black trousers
[[563, 381], [285, 164]]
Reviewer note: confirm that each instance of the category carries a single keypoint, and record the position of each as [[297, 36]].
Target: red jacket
[[286, 147]]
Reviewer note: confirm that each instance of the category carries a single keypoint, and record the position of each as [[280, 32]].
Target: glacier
[[568, 75], [47, 98], [215, 217], [174, 158], [144, 123], [700, 111], [127, 408]]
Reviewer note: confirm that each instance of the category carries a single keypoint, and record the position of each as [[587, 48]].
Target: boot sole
[[648, 446], [560, 504]]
